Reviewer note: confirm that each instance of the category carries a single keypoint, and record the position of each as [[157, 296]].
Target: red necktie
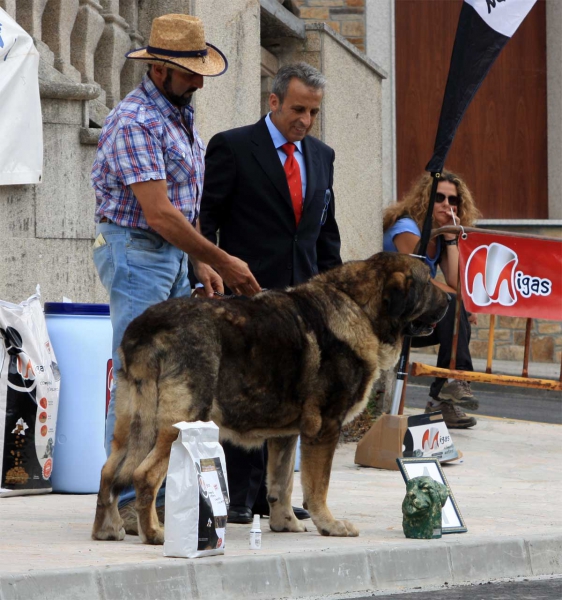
[[293, 173]]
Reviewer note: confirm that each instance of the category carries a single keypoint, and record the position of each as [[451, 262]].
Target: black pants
[[246, 470], [443, 335]]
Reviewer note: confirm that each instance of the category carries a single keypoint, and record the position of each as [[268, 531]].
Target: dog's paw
[[287, 524], [109, 534], [154, 538], [343, 528]]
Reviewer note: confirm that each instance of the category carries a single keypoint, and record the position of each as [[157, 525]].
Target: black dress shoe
[[240, 514], [300, 513]]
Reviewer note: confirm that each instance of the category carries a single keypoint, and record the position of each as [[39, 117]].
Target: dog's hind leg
[[108, 525], [148, 478], [316, 465], [280, 467]]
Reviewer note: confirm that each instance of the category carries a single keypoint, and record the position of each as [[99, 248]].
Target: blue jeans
[[138, 269]]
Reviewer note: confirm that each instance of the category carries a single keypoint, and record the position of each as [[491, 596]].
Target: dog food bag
[[196, 493], [29, 396]]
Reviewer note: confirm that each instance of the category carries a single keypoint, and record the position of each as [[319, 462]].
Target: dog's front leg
[[280, 467], [316, 465]]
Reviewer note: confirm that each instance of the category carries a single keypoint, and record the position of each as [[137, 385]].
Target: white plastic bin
[[81, 337]]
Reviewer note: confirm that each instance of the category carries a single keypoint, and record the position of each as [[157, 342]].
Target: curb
[[386, 568]]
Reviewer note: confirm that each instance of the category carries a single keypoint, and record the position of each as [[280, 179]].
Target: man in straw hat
[[268, 189], [148, 180]]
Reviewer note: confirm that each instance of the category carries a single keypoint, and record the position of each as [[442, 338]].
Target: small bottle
[[255, 534]]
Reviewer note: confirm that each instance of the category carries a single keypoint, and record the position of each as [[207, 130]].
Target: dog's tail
[[137, 390]]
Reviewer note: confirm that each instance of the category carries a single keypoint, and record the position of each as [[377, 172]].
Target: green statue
[[422, 508]]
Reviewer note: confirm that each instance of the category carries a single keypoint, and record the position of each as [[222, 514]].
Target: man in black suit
[[268, 193]]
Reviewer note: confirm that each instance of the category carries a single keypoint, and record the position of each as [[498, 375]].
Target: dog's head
[[409, 298], [423, 496], [395, 292]]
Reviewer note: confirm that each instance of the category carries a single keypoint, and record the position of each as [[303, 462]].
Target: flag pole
[[402, 374], [478, 42]]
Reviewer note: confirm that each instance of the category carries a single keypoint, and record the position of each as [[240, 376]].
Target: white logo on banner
[[490, 276], [504, 16]]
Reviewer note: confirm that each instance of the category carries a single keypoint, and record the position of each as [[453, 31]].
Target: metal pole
[[421, 251], [400, 376], [426, 231]]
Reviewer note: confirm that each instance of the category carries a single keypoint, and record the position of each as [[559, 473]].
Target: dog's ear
[[396, 294]]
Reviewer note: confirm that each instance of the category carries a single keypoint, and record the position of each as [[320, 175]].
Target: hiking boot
[[460, 393], [129, 515], [453, 414]]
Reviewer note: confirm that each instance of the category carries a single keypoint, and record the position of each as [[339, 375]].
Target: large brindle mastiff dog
[[281, 364]]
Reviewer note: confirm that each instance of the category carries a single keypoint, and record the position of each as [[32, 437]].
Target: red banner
[[511, 276]]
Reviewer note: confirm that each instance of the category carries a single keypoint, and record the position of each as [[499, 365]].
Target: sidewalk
[[507, 489]]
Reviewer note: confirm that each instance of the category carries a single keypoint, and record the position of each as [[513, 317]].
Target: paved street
[[508, 402], [499, 401], [542, 589]]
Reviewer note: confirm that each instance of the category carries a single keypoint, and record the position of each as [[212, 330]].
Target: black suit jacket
[[246, 199]]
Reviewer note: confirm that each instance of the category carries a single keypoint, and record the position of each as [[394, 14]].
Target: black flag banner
[[485, 26]]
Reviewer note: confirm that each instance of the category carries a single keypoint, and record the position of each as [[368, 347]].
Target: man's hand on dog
[[210, 279], [238, 277]]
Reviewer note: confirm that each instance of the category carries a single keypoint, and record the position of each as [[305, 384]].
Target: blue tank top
[[408, 225]]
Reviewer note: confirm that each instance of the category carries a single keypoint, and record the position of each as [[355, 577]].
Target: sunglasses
[[453, 200]]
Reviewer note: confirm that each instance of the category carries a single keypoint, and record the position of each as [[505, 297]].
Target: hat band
[[177, 53]]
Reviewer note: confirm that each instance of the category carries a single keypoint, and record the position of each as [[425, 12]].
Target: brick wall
[[347, 17], [509, 337]]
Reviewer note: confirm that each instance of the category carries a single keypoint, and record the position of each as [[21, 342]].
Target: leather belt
[[105, 220]]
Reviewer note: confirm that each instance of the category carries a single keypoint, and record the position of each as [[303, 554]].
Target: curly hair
[[416, 201]]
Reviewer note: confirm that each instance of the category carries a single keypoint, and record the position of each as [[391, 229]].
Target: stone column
[[380, 47], [58, 22], [30, 14], [133, 70], [86, 34], [148, 10], [233, 99], [9, 6], [109, 57]]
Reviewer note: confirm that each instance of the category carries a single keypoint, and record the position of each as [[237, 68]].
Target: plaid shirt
[[143, 138]]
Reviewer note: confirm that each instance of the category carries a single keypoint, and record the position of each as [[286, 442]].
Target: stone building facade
[[347, 17], [47, 230]]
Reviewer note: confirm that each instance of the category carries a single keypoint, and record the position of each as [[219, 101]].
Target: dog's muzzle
[[425, 327]]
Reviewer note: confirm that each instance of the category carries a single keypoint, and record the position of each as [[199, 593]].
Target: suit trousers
[[246, 472], [443, 335]]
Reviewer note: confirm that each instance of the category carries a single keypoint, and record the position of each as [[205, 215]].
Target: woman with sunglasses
[[402, 225]]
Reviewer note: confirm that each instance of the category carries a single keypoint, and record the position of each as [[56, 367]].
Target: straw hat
[[178, 41]]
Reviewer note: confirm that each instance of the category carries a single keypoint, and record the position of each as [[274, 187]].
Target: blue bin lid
[[72, 308]]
